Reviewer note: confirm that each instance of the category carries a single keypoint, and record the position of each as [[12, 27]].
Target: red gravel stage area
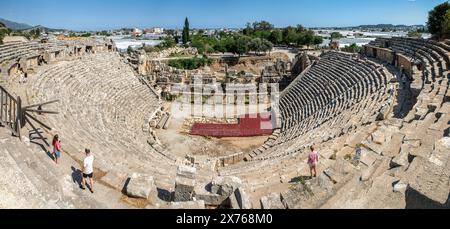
[[249, 125]]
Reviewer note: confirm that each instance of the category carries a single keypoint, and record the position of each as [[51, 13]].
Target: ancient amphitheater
[[340, 102]]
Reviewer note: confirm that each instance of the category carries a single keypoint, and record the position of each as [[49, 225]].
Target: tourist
[[88, 170], [313, 159], [56, 143]]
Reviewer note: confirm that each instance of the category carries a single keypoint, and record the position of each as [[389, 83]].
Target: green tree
[[262, 25], [242, 45], [276, 37], [318, 40], [248, 31], [255, 45], [168, 42], [300, 28], [336, 35], [266, 46], [177, 39], [230, 44], [446, 24], [290, 37], [129, 49], [306, 38], [221, 46], [438, 19], [186, 31]]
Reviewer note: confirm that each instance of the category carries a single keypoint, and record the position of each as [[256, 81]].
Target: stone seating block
[[140, 186]]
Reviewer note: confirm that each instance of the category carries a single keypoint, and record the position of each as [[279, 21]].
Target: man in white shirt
[[88, 170]]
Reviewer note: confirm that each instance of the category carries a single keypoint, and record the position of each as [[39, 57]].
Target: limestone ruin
[[340, 102]]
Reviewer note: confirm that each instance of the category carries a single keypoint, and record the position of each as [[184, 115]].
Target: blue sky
[[106, 14]]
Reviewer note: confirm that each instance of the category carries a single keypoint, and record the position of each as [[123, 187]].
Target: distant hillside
[[379, 27], [384, 26], [14, 25], [43, 29]]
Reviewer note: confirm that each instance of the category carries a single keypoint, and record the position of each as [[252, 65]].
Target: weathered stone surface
[[375, 147], [242, 199], [367, 173], [441, 152], [400, 187], [115, 179], [272, 201], [210, 198], [402, 158], [225, 186], [368, 157], [378, 137], [184, 189], [140, 186], [186, 171], [429, 184], [338, 172], [392, 148], [198, 204], [345, 151], [321, 183]]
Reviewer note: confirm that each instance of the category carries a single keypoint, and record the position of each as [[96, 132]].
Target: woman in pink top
[[56, 148], [313, 159]]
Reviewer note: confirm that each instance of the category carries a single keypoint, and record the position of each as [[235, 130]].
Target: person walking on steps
[[313, 159], [56, 143], [88, 170]]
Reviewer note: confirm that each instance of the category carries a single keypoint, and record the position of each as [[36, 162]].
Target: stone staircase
[[31, 179]]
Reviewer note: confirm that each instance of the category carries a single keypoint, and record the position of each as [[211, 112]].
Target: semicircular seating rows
[[335, 105], [105, 108], [340, 93]]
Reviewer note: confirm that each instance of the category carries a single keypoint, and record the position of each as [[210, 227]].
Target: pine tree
[[185, 37]]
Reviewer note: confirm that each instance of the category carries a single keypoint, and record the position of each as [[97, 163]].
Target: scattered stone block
[[184, 189], [225, 186], [367, 173], [115, 179], [378, 137], [272, 201], [429, 185], [140, 186], [368, 157], [240, 200], [186, 171], [198, 204], [402, 158], [210, 198], [392, 148]]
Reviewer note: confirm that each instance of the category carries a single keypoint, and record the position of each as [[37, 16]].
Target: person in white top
[[88, 170]]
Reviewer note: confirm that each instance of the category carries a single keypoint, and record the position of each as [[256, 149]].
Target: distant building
[[137, 32], [155, 30]]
